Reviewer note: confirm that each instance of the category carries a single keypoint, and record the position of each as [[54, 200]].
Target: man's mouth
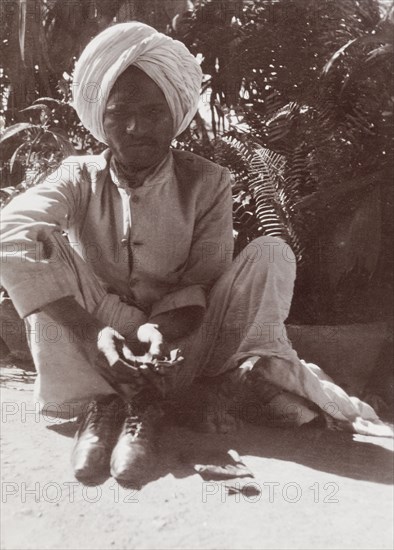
[[137, 144]]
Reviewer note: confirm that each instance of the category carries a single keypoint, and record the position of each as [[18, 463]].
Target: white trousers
[[247, 308]]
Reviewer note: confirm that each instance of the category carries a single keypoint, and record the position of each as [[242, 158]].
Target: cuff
[[40, 289], [188, 296], [122, 317]]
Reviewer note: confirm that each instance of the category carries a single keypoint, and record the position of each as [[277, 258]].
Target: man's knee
[[268, 250]]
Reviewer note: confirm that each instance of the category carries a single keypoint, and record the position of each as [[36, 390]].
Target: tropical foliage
[[40, 39], [301, 108], [311, 84]]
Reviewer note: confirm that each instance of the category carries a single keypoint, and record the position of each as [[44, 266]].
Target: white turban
[[166, 61]]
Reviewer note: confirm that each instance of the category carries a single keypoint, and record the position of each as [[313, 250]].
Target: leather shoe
[[134, 453], [96, 436]]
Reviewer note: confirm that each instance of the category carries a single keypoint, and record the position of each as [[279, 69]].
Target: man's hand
[[119, 365], [150, 334], [113, 346], [116, 360]]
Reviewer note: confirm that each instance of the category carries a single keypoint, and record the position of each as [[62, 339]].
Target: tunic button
[[123, 242]]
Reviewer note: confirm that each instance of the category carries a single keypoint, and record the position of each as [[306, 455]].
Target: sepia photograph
[[196, 274]]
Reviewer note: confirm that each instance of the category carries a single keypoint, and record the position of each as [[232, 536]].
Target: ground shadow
[[180, 448], [66, 428], [332, 452]]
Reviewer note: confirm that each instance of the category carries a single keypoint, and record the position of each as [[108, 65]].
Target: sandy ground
[[319, 489]]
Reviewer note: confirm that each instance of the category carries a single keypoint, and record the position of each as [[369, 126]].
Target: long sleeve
[[211, 250], [30, 271], [165, 255]]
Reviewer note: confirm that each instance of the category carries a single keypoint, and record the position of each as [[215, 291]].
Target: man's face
[[137, 120]]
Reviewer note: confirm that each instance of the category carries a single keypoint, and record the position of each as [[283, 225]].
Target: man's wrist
[[178, 323]]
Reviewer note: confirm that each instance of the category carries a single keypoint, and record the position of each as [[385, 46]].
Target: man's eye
[[114, 112], [153, 111], [114, 109]]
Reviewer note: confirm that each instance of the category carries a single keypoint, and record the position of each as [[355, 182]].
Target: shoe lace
[[133, 424], [134, 427], [137, 420]]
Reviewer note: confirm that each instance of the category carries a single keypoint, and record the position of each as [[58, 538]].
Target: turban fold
[[166, 61]]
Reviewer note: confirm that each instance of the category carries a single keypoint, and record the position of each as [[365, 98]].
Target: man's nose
[[131, 124], [134, 125]]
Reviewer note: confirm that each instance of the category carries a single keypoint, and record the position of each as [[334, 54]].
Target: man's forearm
[[178, 323], [66, 311], [173, 325]]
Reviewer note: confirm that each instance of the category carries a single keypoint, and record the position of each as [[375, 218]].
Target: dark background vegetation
[[297, 101]]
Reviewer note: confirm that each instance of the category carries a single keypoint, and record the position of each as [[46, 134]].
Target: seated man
[[134, 248]]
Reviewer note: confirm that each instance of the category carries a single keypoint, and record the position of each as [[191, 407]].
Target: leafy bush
[[34, 148], [301, 112], [309, 82]]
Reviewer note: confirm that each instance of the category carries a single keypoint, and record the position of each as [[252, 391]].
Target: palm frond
[[259, 191]]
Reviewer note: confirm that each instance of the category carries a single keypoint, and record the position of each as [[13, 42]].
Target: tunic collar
[[153, 177]]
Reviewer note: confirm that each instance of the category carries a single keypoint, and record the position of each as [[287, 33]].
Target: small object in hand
[[138, 370], [164, 366]]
